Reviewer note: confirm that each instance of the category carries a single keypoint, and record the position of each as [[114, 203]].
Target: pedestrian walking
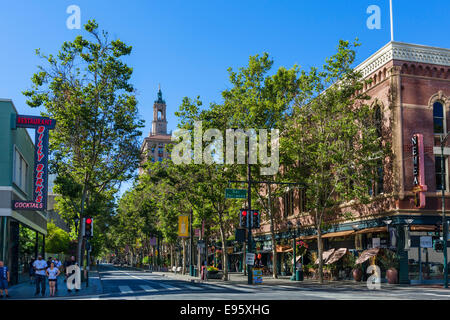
[[40, 265], [52, 274], [72, 261], [4, 279], [31, 271]]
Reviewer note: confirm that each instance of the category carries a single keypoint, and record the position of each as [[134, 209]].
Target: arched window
[[439, 118]]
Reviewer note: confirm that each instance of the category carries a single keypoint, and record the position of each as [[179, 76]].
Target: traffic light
[[243, 218], [438, 245], [88, 227], [255, 219]]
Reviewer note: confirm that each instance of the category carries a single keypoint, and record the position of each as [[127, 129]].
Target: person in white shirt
[[52, 274], [39, 266]]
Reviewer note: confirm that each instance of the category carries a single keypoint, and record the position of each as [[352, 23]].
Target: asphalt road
[[124, 284]]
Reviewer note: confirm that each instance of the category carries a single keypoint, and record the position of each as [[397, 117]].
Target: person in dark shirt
[[4, 279]]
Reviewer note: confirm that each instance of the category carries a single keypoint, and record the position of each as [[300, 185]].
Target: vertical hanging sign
[[419, 186], [42, 126]]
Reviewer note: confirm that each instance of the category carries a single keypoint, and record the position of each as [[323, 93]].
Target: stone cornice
[[404, 52]]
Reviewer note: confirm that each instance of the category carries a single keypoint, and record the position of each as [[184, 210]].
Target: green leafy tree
[[57, 240], [86, 88]]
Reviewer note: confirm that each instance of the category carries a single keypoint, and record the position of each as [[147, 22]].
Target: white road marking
[[168, 287], [192, 287], [125, 289], [148, 288]]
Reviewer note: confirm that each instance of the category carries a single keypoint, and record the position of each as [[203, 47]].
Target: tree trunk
[[224, 253], [184, 256], [320, 250], [171, 256]]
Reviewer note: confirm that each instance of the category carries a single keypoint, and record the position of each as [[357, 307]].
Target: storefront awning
[[283, 248], [423, 228], [366, 255], [308, 237], [325, 255], [338, 234], [372, 230], [337, 255]]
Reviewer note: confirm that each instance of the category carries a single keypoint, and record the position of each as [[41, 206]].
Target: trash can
[[299, 275]]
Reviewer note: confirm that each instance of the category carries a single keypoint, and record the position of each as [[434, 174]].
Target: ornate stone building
[[154, 146], [411, 88]]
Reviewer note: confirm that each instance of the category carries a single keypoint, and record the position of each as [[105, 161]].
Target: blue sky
[[187, 46]]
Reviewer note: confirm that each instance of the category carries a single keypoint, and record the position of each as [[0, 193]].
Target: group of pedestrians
[[42, 271], [50, 270]]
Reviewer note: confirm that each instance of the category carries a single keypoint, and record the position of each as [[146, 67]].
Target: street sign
[[201, 244], [235, 193], [376, 243], [426, 242], [250, 259]]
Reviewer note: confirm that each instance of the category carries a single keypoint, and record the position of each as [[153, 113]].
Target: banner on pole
[[183, 226]]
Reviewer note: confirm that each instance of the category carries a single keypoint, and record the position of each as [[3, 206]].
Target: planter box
[[215, 274]]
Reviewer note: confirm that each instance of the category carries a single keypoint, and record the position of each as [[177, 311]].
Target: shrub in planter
[[390, 261], [357, 270]]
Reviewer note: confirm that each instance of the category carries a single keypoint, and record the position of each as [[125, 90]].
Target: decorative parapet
[[404, 52]]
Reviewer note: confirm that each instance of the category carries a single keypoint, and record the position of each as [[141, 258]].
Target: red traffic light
[[244, 213], [88, 220], [255, 213]]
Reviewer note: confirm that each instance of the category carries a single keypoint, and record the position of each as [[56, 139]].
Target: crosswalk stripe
[[168, 287], [148, 289], [125, 289], [232, 287], [192, 287]]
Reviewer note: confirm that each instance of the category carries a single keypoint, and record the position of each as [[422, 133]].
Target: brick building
[[411, 89]]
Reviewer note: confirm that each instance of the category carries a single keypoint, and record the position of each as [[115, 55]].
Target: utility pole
[[191, 251], [444, 222], [249, 202]]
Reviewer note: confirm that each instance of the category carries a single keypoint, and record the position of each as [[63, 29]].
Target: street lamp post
[[444, 222], [293, 248]]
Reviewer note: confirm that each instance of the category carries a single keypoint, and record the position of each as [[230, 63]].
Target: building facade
[[154, 147], [22, 233], [411, 90]]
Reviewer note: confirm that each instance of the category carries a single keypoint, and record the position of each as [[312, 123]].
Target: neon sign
[[418, 171], [42, 126]]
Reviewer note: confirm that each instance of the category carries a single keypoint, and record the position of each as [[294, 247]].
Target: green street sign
[[235, 193]]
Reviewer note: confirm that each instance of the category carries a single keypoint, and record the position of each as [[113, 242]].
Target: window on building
[[438, 118], [20, 173], [302, 200], [288, 200], [439, 170]]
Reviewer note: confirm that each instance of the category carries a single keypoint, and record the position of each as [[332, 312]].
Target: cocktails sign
[[42, 126]]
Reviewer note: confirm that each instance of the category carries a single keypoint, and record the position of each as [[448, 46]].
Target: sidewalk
[[26, 290]]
